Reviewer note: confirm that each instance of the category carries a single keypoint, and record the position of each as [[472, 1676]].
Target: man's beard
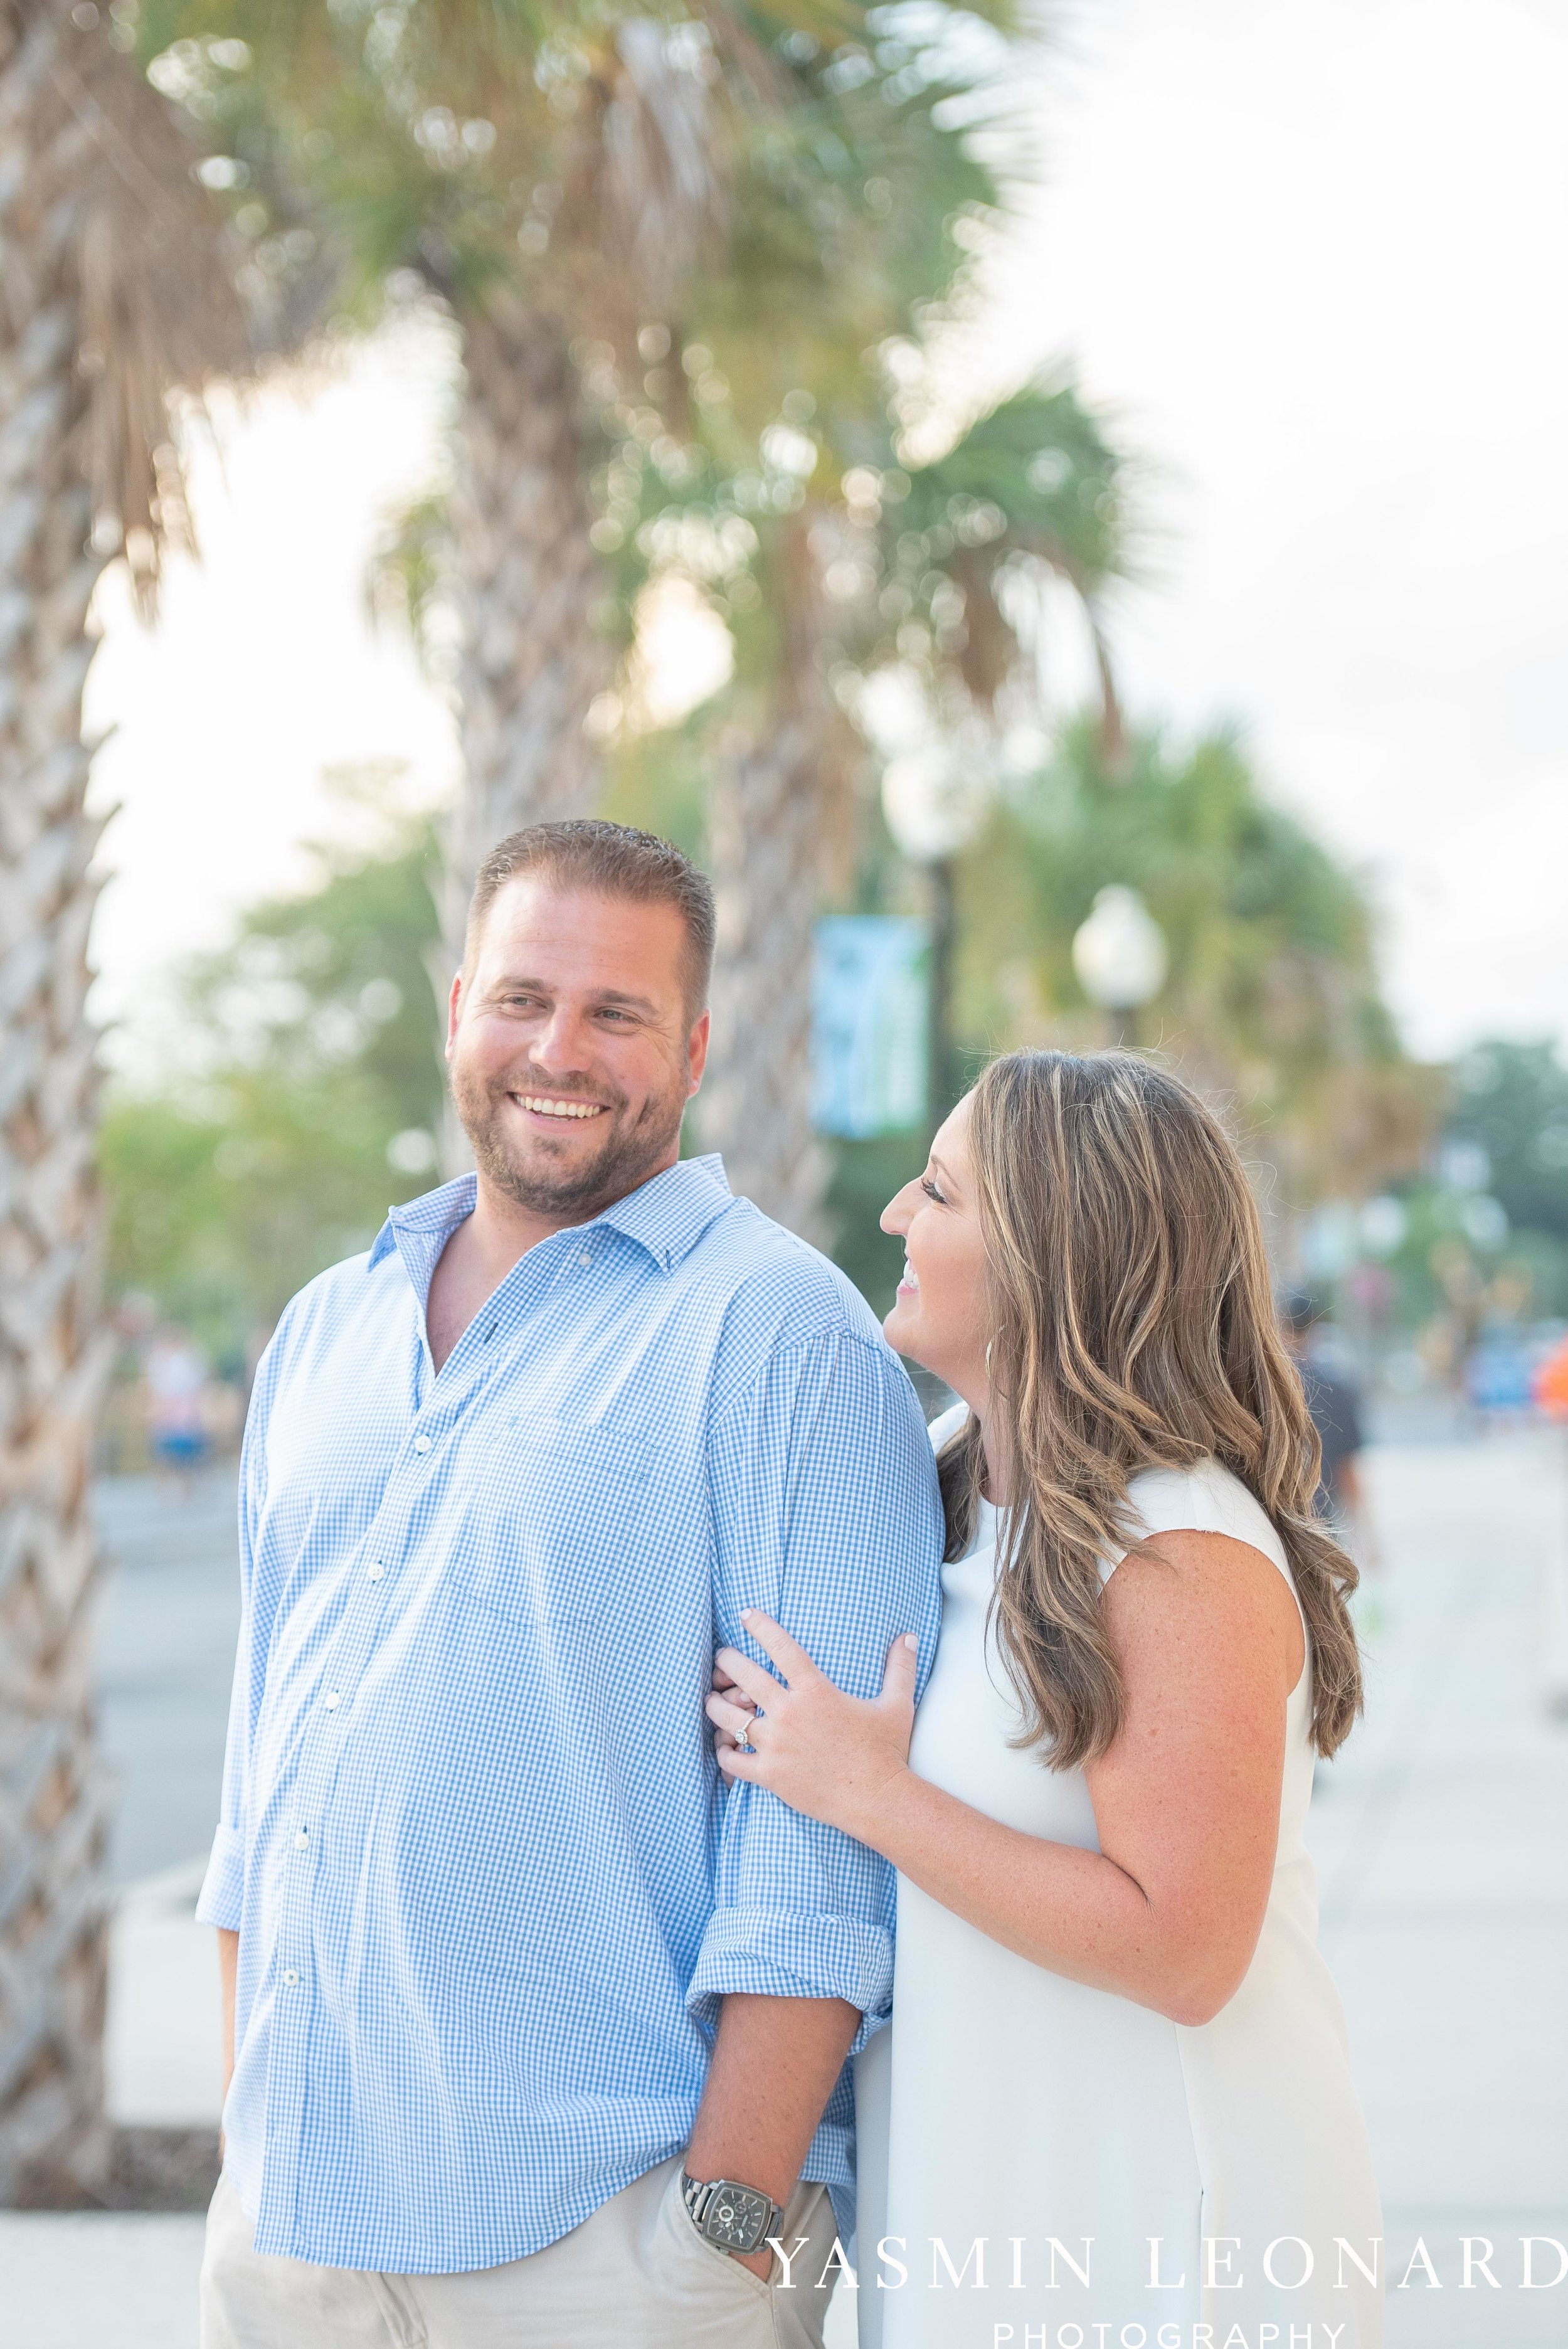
[[633, 1147]]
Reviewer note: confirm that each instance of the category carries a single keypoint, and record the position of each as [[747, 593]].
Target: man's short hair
[[608, 860]]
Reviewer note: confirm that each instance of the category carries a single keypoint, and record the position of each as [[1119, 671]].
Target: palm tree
[[557, 176], [111, 291], [928, 570], [785, 352], [668, 248], [594, 196], [1035, 488], [779, 779]]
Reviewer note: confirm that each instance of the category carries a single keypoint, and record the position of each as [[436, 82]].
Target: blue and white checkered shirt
[[487, 1887]]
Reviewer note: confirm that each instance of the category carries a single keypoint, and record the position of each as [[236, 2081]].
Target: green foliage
[[659, 782], [730, 219], [1441, 1264], [1034, 485], [743, 225], [866, 1174], [1039, 473], [1508, 1102], [1234, 883], [795, 166], [857, 213], [1512, 1100], [307, 1048], [1272, 994]]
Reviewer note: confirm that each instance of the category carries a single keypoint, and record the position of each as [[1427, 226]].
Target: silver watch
[[733, 2218]]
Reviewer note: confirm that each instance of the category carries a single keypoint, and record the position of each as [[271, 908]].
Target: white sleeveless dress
[[1005, 2102]]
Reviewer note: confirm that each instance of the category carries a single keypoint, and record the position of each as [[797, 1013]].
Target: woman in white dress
[[1115, 2104]]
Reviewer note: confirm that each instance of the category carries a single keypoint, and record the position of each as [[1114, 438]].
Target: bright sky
[[265, 673], [1312, 259]]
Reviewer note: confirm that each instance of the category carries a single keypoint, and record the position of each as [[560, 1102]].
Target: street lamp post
[[935, 798], [1120, 958], [943, 1083]]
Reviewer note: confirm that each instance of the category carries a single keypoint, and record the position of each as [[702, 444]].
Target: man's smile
[[558, 1106]]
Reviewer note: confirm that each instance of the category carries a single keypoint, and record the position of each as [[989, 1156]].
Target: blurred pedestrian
[[1334, 1400], [1548, 1387], [175, 1369]]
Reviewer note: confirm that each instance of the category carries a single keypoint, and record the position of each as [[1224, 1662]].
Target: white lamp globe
[[1120, 953], [935, 803]]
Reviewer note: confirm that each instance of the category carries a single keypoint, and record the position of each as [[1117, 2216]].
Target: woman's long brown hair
[[1134, 1327]]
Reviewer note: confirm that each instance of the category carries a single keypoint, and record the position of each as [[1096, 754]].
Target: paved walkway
[[171, 1617], [1441, 1838], [72, 2283]]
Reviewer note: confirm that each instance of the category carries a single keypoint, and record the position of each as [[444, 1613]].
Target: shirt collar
[[435, 1215], [666, 1216]]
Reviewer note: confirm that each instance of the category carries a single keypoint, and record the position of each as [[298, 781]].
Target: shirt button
[[421, 1444], [331, 1700], [290, 1976], [585, 1257], [301, 1839], [375, 1571]]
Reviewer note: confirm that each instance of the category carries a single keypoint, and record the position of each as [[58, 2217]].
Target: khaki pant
[[634, 2275]]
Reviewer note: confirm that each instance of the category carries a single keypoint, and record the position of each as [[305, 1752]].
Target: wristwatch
[[732, 2217]]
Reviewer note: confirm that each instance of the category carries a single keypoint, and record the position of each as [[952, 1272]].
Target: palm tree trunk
[[1112, 727], [774, 810], [765, 853], [529, 583], [52, 1358]]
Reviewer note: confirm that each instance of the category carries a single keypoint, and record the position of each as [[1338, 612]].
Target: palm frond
[[160, 311]]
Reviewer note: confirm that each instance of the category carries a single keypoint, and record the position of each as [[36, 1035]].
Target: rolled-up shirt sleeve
[[827, 1517], [222, 1899]]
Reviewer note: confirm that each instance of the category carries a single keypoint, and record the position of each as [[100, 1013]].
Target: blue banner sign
[[871, 1011]]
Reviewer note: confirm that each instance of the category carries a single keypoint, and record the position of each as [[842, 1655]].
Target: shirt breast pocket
[[562, 1522]]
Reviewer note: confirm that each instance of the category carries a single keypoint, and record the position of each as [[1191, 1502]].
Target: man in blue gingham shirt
[[490, 1899]]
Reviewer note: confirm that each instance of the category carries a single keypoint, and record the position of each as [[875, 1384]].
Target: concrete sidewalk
[[1441, 1838], [90, 2282], [164, 2032], [97, 2282]]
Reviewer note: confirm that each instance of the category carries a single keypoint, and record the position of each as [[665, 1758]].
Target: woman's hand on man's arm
[[837, 1758], [1186, 1801]]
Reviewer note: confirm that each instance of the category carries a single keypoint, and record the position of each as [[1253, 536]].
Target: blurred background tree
[[576, 186], [545, 174], [801, 339], [871, 577], [1271, 999], [957, 631], [1510, 1102], [727, 410], [1478, 1241], [727, 243], [305, 1098], [888, 571], [1270, 1004]]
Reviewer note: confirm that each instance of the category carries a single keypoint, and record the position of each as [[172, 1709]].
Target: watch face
[[737, 2217]]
